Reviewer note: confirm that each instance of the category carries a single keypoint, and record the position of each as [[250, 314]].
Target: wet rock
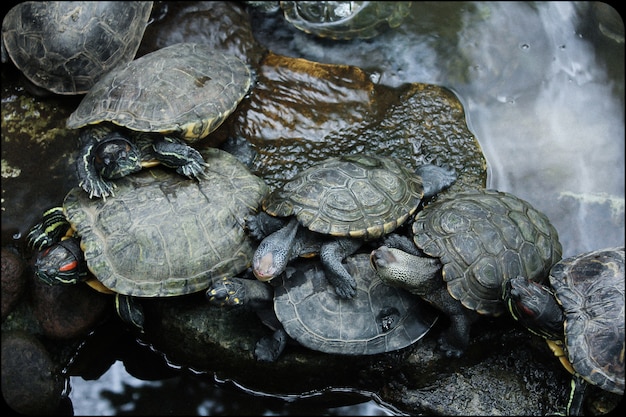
[[505, 371], [13, 281], [68, 311], [301, 112], [31, 383]]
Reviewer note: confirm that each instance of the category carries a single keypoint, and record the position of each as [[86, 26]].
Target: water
[[543, 89]]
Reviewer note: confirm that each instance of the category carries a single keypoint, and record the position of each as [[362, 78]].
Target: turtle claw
[[98, 188]]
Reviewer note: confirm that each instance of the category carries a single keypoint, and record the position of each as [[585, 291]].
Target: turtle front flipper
[[130, 311], [175, 153], [49, 230], [332, 254]]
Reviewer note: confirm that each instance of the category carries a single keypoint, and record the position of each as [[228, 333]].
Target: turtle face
[[117, 157], [535, 307], [61, 263]]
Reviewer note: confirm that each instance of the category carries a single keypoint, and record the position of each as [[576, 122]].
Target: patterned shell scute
[[362, 196], [484, 237], [185, 89], [380, 318], [166, 235], [66, 47], [590, 288]]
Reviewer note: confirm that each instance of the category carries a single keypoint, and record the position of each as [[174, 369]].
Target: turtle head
[[61, 263], [535, 307], [116, 157], [274, 252]]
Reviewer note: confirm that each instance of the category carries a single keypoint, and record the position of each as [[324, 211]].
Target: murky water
[[543, 89]]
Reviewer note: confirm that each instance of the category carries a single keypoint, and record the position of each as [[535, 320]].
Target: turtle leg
[[435, 178], [332, 254], [52, 227], [455, 339], [130, 311], [269, 348], [175, 153], [577, 394], [262, 225], [239, 292]]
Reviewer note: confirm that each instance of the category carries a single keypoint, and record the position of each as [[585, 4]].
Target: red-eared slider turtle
[[164, 100], [305, 307], [66, 46], [162, 235], [340, 19], [581, 315], [468, 245], [332, 207]]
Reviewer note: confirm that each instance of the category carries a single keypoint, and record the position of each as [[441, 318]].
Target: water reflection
[[543, 89], [119, 393]]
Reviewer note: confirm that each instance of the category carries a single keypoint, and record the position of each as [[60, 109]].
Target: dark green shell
[[362, 196], [483, 238], [66, 47], [185, 89], [590, 287], [345, 19], [380, 318], [166, 235]]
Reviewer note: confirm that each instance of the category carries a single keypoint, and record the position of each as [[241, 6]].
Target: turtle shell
[[362, 196], [345, 19], [380, 318], [590, 287], [165, 235], [484, 238], [65, 47], [185, 89]]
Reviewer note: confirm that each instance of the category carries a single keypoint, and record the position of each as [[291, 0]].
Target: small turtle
[[468, 245], [340, 19], [65, 47], [163, 235], [306, 308], [331, 208], [581, 315], [164, 100]]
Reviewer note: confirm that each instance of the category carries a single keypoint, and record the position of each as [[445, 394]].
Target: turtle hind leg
[[577, 395], [175, 153], [269, 348]]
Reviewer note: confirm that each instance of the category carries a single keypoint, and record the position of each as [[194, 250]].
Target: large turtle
[[305, 307], [164, 100], [162, 235], [581, 315], [464, 247], [332, 207], [66, 46]]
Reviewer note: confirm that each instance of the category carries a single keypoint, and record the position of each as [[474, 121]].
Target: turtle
[[463, 247], [150, 110], [334, 206], [162, 235], [340, 20], [581, 316], [304, 307], [66, 47]]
